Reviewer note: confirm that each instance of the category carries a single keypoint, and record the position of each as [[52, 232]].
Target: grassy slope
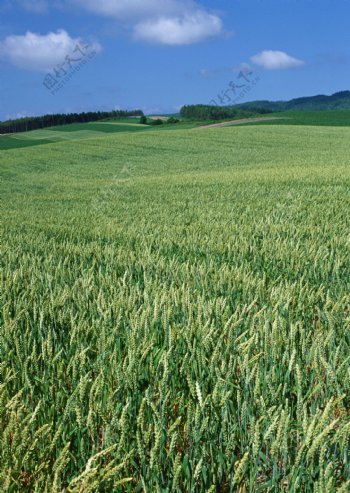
[[75, 131], [339, 118], [8, 142], [80, 131], [106, 127], [182, 297]]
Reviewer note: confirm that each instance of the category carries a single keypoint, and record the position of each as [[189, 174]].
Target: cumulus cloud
[[36, 6], [207, 72], [191, 28], [274, 60], [33, 51], [135, 9], [17, 116], [170, 22]]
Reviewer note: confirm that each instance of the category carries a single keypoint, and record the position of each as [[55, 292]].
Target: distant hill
[[337, 101]]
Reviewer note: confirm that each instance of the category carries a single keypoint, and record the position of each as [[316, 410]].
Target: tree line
[[37, 122], [207, 112]]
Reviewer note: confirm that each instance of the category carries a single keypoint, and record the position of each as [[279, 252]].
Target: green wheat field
[[175, 311]]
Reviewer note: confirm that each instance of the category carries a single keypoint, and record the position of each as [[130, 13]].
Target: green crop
[[329, 118], [175, 312]]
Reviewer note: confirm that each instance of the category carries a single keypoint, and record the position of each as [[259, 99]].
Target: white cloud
[[36, 6], [135, 9], [207, 72], [243, 67], [274, 60], [189, 29], [33, 51], [170, 22], [17, 116]]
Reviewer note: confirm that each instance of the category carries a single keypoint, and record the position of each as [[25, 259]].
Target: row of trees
[[37, 122], [207, 112], [158, 121]]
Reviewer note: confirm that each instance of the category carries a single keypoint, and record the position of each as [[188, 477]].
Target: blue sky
[[160, 54]]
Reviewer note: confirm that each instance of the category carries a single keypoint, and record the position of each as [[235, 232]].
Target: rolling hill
[[337, 101]]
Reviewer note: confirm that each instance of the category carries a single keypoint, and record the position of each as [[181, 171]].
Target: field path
[[243, 120]]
